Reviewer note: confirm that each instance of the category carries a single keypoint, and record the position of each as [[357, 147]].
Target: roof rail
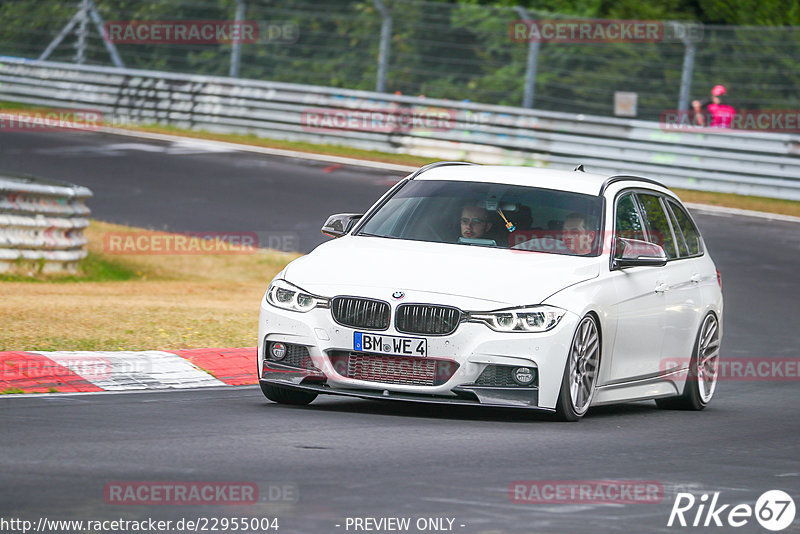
[[579, 168], [623, 177], [435, 164]]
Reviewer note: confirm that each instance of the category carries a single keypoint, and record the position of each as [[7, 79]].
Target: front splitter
[[404, 397]]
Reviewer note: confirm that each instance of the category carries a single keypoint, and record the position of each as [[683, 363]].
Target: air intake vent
[[427, 319], [392, 369], [361, 313]]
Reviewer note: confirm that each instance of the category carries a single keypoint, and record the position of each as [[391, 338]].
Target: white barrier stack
[[41, 224]]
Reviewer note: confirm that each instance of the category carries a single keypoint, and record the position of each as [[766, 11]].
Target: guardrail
[[41, 224], [743, 162]]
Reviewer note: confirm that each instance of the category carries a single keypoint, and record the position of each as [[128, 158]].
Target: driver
[[575, 235], [474, 221]]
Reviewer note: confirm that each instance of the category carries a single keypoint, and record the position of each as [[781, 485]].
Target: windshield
[[491, 215]]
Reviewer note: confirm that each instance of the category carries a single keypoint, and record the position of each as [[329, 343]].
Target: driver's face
[[473, 222], [575, 236]]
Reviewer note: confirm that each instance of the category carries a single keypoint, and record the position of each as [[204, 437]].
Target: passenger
[[576, 236], [475, 222]]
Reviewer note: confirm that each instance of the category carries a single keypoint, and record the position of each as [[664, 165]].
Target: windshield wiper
[[376, 235]]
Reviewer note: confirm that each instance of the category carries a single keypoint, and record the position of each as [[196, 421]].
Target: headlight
[[531, 319], [282, 294]]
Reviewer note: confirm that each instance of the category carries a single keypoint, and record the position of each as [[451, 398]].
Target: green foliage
[[751, 12], [93, 268], [460, 50]]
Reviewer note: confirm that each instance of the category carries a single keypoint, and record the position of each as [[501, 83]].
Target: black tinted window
[[629, 225], [680, 242], [690, 234]]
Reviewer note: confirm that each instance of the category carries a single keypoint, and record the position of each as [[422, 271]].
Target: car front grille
[[392, 369], [500, 376], [427, 319], [360, 312]]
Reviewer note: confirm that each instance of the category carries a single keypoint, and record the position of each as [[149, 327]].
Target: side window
[[658, 228], [683, 250], [628, 224], [687, 228]]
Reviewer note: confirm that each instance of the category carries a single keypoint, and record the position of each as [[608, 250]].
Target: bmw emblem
[[398, 295]]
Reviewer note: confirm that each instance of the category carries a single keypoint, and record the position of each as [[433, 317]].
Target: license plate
[[394, 345]]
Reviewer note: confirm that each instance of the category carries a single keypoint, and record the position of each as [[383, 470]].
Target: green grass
[[93, 268], [17, 391]]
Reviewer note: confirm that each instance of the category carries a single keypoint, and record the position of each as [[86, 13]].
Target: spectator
[[697, 116], [721, 115]]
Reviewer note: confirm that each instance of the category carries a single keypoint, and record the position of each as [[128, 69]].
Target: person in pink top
[[721, 114]]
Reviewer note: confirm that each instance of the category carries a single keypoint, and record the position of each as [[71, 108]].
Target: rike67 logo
[[774, 510]]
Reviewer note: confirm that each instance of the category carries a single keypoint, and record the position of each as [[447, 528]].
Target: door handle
[[696, 278], [662, 288]]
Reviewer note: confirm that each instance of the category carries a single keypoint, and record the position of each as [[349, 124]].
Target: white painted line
[[723, 211], [220, 145], [123, 370]]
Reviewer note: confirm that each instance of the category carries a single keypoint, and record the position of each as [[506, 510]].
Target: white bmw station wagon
[[504, 287]]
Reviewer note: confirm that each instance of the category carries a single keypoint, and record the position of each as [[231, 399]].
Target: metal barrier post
[[236, 49], [83, 33], [386, 39], [686, 75], [531, 66], [110, 46]]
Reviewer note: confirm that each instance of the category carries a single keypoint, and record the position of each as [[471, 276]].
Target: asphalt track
[[351, 458]]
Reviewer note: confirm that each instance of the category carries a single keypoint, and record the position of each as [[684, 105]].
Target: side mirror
[[341, 223], [638, 253]]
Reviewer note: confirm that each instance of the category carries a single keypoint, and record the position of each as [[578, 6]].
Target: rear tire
[[284, 395], [580, 372], [701, 380]]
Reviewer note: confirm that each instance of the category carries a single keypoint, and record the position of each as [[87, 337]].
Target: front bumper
[[473, 347], [492, 398]]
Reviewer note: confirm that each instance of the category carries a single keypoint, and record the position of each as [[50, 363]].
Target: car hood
[[360, 265]]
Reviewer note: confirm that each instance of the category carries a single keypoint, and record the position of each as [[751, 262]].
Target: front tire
[[701, 380], [580, 372], [283, 395]]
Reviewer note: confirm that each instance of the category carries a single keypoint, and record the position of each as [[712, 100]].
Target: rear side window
[[686, 227], [683, 250], [659, 230]]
